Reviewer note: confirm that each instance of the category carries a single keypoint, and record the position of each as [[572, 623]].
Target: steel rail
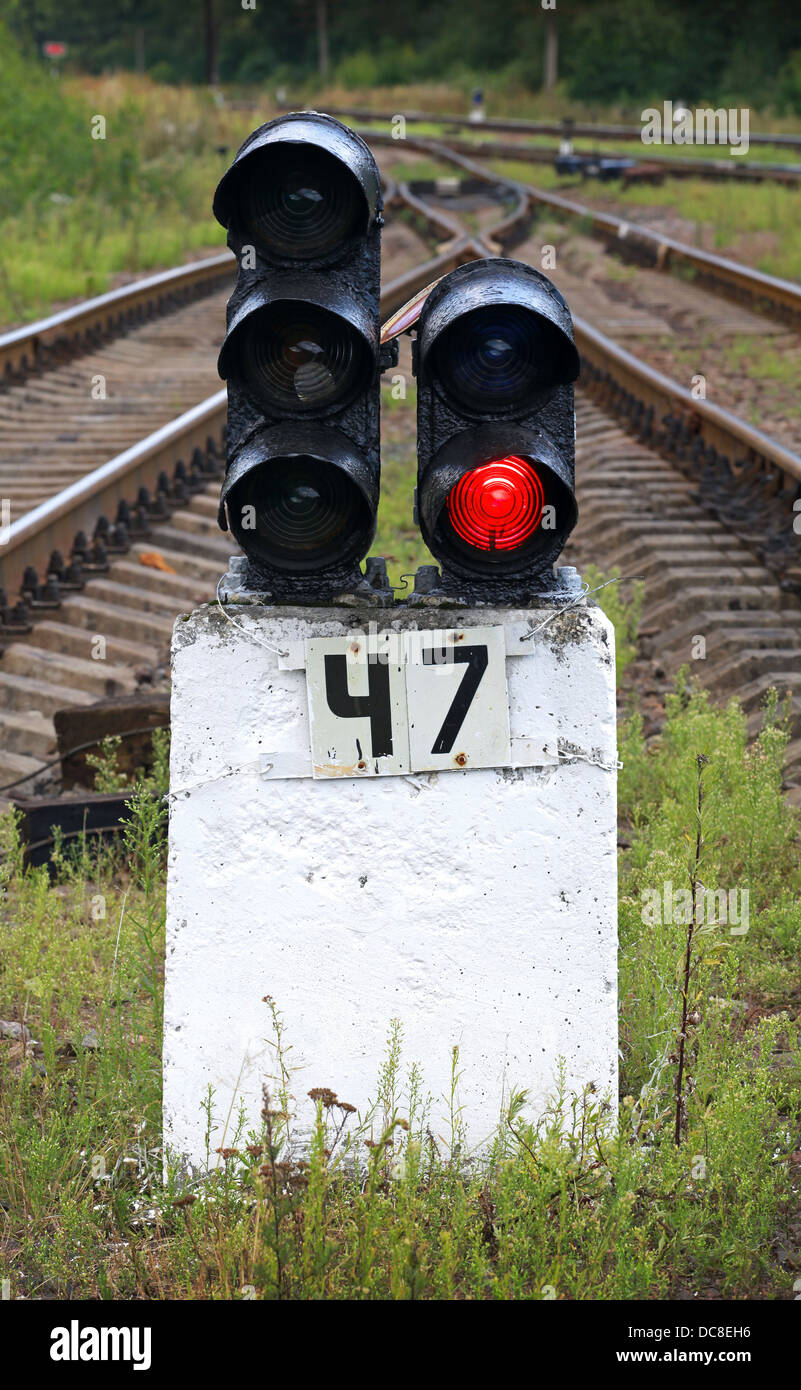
[[676, 167], [53, 525], [21, 349], [757, 284], [396, 292], [513, 125], [635, 240], [673, 165], [442, 225], [646, 393]]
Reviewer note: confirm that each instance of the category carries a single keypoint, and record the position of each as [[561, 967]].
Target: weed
[[108, 778], [729, 213]]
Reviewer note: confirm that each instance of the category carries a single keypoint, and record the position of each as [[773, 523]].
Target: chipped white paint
[[477, 907]]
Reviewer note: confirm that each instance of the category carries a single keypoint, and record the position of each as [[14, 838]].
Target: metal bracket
[[388, 355], [374, 589]]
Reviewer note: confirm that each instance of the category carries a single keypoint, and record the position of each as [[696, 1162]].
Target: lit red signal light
[[497, 506]]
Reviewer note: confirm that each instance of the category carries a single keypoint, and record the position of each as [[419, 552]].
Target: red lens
[[498, 505]]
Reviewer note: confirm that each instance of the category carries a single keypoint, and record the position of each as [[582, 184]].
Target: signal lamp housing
[[302, 356], [302, 189], [299, 347], [495, 362], [301, 506]]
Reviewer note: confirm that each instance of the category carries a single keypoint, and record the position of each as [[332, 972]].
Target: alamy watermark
[[705, 126], [76, 1343], [412, 647], [713, 907]]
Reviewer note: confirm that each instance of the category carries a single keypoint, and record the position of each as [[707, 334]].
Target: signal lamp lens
[[496, 357], [299, 357], [300, 513], [497, 506], [299, 203]]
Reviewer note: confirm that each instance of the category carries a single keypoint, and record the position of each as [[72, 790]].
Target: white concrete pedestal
[[477, 907]]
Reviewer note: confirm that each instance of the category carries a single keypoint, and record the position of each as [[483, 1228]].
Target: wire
[[585, 593], [80, 748], [252, 635]]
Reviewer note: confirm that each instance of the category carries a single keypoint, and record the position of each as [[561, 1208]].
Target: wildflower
[[324, 1094]]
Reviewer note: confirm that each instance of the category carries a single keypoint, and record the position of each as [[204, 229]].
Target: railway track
[[517, 126], [32, 347], [737, 168], [110, 547], [631, 241], [671, 489]]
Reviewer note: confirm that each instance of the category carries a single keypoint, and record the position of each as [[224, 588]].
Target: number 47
[[376, 704]]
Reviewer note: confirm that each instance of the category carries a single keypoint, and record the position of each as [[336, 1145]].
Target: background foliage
[[609, 50]]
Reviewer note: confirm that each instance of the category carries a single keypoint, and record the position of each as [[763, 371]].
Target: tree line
[[628, 52]]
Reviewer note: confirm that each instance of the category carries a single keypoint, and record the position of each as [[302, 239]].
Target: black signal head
[[500, 334], [300, 502], [301, 358], [495, 363], [300, 190]]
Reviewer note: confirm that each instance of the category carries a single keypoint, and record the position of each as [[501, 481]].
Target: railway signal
[[495, 361], [302, 207], [456, 722]]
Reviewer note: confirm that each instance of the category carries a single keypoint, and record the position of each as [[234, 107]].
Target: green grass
[[397, 537], [590, 144], [567, 1205], [758, 359], [76, 211], [757, 377], [63, 260], [410, 170], [733, 211]]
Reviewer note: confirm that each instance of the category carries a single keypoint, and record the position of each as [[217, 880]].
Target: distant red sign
[[53, 49]]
